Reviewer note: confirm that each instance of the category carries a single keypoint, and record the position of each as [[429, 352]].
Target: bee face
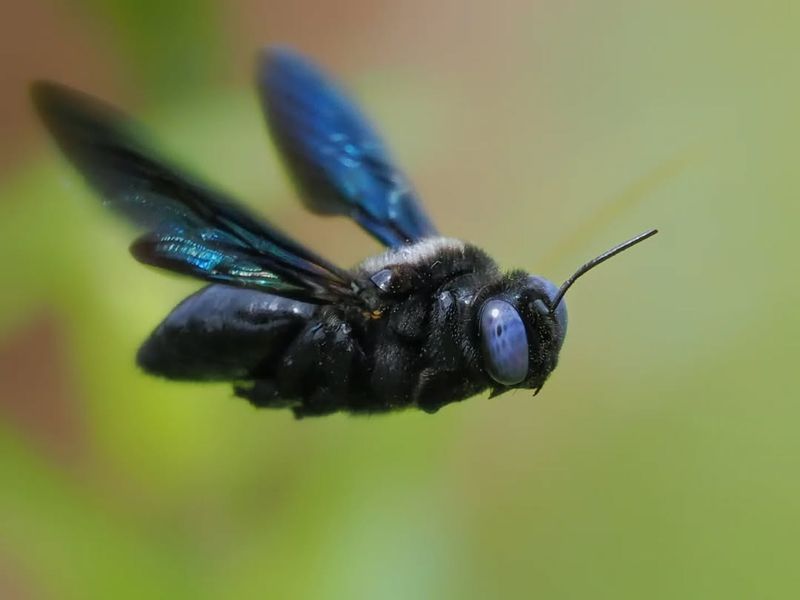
[[520, 334]]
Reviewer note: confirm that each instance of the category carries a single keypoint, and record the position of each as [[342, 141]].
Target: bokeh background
[[662, 459]]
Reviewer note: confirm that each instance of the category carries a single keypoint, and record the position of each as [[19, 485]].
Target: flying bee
[[430, 321]]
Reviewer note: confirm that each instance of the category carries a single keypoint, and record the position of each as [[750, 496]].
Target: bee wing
[[337, 161], [191, 229]]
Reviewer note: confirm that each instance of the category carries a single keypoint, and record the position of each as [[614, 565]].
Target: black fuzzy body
[[413, 344], [429, 322]]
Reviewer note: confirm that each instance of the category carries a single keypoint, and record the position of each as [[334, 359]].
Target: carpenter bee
[[430, 321]]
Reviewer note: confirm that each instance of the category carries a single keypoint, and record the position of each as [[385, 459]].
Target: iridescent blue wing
[[338, 163], [191, 228]]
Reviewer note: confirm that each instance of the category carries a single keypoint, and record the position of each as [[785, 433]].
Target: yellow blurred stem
[[609, 211]]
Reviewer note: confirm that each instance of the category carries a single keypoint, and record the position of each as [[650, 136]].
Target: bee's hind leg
[[262, 393], [318, 368], [313, 376]]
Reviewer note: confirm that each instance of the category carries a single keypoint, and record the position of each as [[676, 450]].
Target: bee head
[[522, 325], [521, 332]]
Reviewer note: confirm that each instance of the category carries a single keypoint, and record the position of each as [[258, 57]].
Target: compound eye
[[504, 342]]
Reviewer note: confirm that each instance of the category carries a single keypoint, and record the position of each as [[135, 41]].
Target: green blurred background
[[662, 459]]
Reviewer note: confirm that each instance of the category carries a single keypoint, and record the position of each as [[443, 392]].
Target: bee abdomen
[[223, 333]]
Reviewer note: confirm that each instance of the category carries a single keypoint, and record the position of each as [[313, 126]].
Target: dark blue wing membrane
[[338, 163], [192, 229]]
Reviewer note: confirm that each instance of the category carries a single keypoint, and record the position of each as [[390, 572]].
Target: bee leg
[[320, 403], [317, 367], [438, 387], [262, 393]]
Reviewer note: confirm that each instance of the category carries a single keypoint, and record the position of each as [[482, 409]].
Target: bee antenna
[[596, 261]]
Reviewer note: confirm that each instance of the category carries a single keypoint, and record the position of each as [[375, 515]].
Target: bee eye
[[504, 342]]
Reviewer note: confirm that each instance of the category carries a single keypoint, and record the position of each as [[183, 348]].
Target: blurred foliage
[[661, 461], [169, 48]]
